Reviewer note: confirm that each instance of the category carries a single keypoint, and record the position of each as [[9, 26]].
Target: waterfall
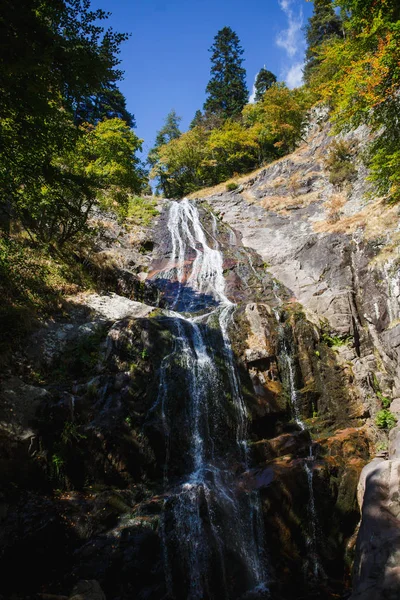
[[313, 557], [312, 513], [211, 525]]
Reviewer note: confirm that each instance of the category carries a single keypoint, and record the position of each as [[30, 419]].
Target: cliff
[[200, 428]]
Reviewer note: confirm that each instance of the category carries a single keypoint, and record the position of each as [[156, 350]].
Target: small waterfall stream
[[211, 525], [313, 558], [313, 563]]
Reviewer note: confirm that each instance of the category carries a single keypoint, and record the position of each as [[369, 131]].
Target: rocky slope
[[336, 247], [313, 270]]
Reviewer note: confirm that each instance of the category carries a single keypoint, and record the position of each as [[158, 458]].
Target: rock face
[[334, 248], [337, 249], [87, 438]]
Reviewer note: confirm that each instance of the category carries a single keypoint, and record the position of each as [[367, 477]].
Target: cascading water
[[313, 558], [211, 525]]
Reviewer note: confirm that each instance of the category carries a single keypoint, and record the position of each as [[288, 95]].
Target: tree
[[231, 149], [263, 82], [323, 25], [100, 169], [197, 119], [279, 118], [168, 132], [227, 92], [108, 103], [54, 57], [180, 165]]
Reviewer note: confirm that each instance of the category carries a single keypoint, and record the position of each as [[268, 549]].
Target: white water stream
[[210, 522]]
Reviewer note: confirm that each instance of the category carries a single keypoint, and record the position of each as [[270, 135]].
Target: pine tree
[[169, 131], [322, 26], [197, 119], [264, 80], [227, 92]]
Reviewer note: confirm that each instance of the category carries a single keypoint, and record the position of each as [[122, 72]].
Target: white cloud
[[252, 97], [292, 41], [294, 75]]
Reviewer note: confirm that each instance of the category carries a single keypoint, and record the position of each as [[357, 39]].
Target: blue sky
[[166, 60]]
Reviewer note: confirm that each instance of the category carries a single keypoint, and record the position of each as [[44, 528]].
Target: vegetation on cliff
[[352, 65]]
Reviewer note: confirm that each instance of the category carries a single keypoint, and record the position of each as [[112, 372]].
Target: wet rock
[[87, 589], [297, 443]]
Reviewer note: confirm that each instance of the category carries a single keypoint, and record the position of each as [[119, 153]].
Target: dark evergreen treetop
[[264, 80], [108, 103], [169, 131], [197, 119], [322, 25], [227, 91]]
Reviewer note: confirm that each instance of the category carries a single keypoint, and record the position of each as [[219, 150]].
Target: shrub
[[231, 186], [385, 419], [340, 163]]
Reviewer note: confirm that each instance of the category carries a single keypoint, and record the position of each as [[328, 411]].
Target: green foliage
[[141, 210], [322, 26], [340, 163], [231, 149], [227, 92], [385, 401], [336, 340], [359, 77], [57, 465], [231, 186], [382, 446], [278, 119], [100, 169], [197, 120], [33, 281], [180, 165], [58, 69], [71, 434], [385, 419], [263, 82]]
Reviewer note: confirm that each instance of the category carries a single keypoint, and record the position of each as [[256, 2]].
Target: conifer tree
[[264, 80], [169, 131], [197, 119], [227, 91], [323, 25]]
